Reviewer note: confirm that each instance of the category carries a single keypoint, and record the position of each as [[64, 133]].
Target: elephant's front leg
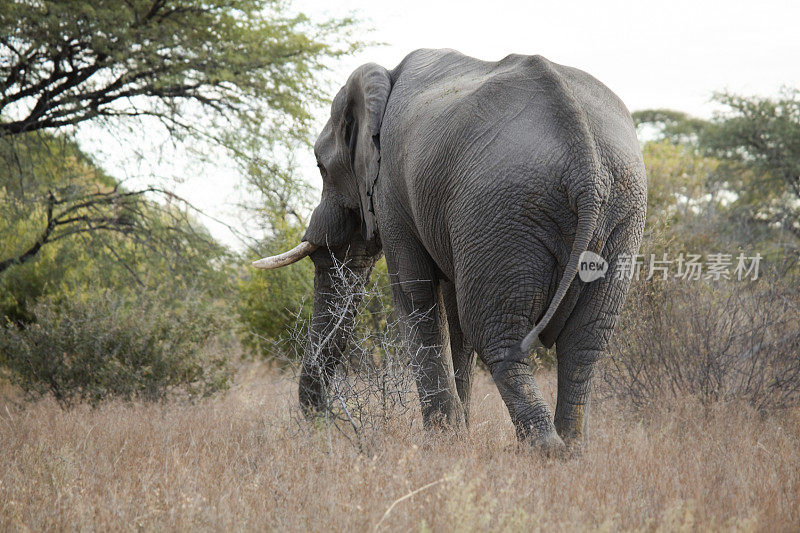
[[418, 300], [461, 350]]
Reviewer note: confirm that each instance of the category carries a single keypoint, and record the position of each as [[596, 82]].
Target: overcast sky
[[651, 53], [672, 53]]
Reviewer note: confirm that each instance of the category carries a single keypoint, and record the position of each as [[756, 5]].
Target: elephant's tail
[[587, 222]]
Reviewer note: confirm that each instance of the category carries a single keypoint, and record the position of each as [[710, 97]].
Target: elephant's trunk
[[338, 292]]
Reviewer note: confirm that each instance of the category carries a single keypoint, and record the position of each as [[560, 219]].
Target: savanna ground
[[241, 460]]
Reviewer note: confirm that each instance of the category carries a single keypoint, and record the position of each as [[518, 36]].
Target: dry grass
[[239, 462]]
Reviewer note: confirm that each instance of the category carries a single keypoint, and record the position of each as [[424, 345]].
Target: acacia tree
[[217, 70], [757, 142], [63, 62], [760, 139]]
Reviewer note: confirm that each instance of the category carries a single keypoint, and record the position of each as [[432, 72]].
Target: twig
[[407, 496]]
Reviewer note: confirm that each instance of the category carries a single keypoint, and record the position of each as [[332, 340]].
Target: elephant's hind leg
[[529, 411], [496, 306], [498, 340], [580, 344]]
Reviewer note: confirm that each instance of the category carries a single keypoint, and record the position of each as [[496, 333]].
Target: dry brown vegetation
[[241, 461]]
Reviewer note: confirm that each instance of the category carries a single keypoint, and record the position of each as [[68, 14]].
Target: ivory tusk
[[286, 258]]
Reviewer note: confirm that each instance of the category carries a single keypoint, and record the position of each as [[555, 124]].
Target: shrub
[[107, 345], [714, 341], [374, 385]]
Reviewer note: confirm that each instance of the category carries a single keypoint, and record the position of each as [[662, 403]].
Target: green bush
[[270, 302], [105, 345]]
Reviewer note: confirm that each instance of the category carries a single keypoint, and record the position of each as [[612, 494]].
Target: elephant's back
[[521, 104], [496, 145]]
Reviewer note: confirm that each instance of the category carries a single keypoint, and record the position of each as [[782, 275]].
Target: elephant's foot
[[541, 435], [529, 411], [550, 445], [574, 446], [571, 423], [445, 416]]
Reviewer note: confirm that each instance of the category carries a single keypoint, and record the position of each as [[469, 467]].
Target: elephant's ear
[[368, 91]]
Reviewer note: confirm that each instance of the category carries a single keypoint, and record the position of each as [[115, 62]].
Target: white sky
[[664, 53]]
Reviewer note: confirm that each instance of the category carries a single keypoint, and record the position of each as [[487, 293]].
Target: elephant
[[482, 183]]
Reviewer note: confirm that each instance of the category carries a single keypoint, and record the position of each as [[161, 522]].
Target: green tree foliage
[[722, 185], [95, 314], [67, 225], [238, 72], [675, 126], [750, 154], [65, 62], [241, 75], [271, 302], [682, 211], [759, 138], [677, 179], [141, 345]]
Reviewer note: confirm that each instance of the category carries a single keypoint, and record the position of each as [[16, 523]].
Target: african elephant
[[482, 183]]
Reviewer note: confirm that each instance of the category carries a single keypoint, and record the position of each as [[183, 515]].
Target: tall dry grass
[[241, 461]]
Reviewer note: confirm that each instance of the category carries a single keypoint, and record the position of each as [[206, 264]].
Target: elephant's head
[[343, 227]]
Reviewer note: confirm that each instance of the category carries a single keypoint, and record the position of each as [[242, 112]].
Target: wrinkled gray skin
[[481, 182]]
